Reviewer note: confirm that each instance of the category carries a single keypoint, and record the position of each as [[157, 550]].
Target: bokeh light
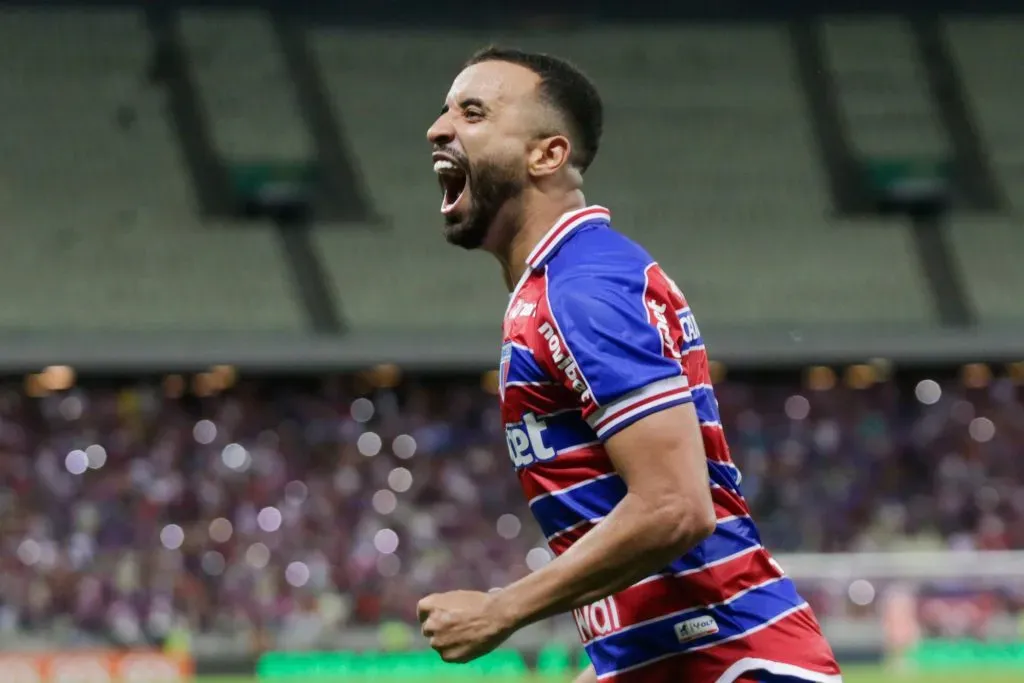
[[386, 541], [537, 558], [369, 443], [296, 574], [235, 456], [797, 407], [295, 492], [257, 555], [76, 462], [400, 479], [71, 408], [204, 432], [404, 446], [96, 455], [384, 502], [213, 563], [982, 429], [30, 552], [172, 536], [509, 526], [928, 392], [861, 592], [269, 519], [221, 530], [361, 410]]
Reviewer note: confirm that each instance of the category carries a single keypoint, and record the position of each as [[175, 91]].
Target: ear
[[548, 155]]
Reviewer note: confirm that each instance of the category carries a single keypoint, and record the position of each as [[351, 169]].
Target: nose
[[441, 132]]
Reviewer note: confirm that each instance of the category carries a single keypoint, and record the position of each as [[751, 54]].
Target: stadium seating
[[100, 227], [882, 89], [988, 251], [707, 147], [990, 55], [388, 88], [244, 86]]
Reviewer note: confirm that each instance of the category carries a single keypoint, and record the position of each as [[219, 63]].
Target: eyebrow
[[467, 102]]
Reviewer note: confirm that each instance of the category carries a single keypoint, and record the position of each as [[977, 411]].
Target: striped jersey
[[596, 337]]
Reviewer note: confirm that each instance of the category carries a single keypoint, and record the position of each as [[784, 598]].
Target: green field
[[850, 675], [879, 675]]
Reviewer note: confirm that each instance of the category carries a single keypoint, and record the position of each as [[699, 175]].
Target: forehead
[[493, 82]]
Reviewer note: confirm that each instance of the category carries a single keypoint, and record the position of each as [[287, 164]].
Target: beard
[[491, 186]]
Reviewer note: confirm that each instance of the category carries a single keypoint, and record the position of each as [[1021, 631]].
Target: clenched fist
[[463, 625]]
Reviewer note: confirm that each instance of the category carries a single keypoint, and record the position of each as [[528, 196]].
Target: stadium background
[[248, 419]]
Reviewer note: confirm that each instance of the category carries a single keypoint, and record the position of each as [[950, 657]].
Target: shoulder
[[597, 251], [609, 326], [598, 264], [607, 297], [608, 293]]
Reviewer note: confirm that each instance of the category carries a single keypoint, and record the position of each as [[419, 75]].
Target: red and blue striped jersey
[[596, 337]]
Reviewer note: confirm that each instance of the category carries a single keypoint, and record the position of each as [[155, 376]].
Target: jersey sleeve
[[622, 341]]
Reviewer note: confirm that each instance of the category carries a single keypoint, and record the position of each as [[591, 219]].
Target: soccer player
[[611, 421]]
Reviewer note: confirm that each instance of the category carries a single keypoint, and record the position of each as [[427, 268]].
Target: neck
[[537, 219]]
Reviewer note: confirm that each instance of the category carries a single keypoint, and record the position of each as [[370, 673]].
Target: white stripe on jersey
[[608, 416]]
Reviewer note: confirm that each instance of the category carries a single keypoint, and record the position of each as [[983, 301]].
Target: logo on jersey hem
[[695, 628]]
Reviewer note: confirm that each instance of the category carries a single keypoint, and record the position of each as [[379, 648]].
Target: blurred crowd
[[130, 511]]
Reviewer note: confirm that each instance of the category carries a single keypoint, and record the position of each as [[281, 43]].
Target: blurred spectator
[[292, 508]]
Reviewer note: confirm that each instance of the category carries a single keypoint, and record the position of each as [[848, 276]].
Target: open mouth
[[453, 180]]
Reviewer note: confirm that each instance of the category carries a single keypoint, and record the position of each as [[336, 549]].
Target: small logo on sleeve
[[695, 628], [661, 322], [523, 309]]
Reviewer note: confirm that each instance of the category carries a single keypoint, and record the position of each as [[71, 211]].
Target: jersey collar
[[563, 229]]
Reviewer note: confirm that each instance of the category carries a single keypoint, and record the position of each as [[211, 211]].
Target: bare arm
[[587, 676], [666, 511]]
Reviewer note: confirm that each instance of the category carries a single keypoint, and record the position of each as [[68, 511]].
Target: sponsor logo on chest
[[526, 443], [564, 362]]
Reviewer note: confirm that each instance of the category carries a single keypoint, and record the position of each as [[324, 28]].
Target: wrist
[[507, 609]]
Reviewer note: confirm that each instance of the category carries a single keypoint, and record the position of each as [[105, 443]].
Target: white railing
[[923, 565]]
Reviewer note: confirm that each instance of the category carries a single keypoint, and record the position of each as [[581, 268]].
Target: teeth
[[443, 165]]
